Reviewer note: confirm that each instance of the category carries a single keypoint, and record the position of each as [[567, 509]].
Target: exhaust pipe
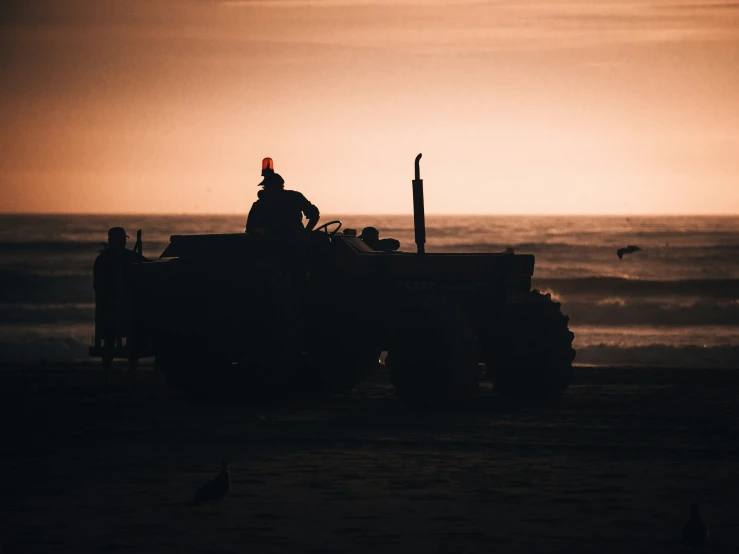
[[419, 219], [139, 246]]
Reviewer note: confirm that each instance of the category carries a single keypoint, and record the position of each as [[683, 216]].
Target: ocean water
[[675, 303]]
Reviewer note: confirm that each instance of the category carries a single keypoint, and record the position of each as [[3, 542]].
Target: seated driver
[[371, 237], [279, 212]]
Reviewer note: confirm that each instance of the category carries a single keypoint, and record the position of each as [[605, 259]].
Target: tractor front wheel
[[527, 348]]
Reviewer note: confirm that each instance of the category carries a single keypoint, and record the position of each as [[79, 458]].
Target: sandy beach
[[612, 468]]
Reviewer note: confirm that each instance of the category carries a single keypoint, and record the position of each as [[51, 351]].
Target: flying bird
[[215, 489], [628, 250], [695, 532]]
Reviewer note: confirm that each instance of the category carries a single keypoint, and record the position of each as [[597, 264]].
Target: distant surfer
[[628, 250]]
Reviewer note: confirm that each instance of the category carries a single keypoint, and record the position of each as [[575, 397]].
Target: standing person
[[279, 212], [113, 292]]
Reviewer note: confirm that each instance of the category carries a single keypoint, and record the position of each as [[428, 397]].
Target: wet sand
[[612, 468]]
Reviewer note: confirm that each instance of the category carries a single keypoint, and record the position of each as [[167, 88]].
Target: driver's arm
[[255, 219], [313, 215]]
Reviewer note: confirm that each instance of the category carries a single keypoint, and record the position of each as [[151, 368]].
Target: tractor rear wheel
[[339, 367], [240, 336], [527, 348], [432, 354], [341, 347]]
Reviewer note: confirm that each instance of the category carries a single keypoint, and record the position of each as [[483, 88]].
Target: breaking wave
[[616, 286], [661, 356]]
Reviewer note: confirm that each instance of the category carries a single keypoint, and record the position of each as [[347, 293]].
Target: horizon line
[[360, 214]]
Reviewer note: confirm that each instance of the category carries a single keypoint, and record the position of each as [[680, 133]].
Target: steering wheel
[[325, 226]]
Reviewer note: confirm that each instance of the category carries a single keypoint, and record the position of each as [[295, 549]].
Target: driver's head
[[273, 181], [117, 237]]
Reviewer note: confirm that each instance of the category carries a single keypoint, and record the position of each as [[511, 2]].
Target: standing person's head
[[117, 238], [273, 181]]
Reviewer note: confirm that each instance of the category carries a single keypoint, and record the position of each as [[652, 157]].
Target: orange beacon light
[[268, 166]]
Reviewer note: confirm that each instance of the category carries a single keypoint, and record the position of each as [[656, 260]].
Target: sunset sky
[[519, 106]]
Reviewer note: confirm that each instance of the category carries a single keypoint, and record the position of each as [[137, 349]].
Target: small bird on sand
[[695, 532], [215, 489], [628, 250]]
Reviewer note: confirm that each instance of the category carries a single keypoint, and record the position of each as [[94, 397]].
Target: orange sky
[[519, 106]]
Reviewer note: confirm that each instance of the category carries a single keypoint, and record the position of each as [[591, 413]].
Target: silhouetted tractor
[[238, 315]]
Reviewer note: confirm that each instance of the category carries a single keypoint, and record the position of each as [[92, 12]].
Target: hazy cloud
[[555, 93]]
